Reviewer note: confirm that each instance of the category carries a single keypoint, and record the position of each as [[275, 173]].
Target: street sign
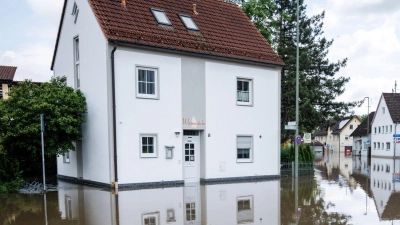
[[367, 141], [290, 127], [396, 135], [292, 123], [307, 138], [298, 140]]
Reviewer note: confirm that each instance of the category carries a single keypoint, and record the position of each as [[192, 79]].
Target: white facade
[[360, 146], [383, 128], [192, 93], [191, 204]]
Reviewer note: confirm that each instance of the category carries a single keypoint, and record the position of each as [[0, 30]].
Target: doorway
[[191, 156]]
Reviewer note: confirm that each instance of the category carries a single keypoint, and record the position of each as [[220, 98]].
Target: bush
[[10, 175], [306, 154]]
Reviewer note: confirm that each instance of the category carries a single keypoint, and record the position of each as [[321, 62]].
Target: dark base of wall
[[149, 185], [84, 182], [239, 179]]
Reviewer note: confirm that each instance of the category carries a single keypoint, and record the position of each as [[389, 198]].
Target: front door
[[191, 158]]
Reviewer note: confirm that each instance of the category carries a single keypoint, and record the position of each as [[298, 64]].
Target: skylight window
[[161, 17], [189, 23], [75, 12]]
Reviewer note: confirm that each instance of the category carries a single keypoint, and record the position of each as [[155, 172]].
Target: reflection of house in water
[[386, 192], [252, 203], [335, 164]]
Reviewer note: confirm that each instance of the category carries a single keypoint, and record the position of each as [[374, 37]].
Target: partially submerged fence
[[305, 168]]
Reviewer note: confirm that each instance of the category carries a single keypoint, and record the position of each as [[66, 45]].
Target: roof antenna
[[395, 87]]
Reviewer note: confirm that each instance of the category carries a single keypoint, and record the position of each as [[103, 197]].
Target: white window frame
[[387, 146], [182, 16], [251, 91], [156, 81], [77, 64], [75, 12], [245, 198], [155, 144], [251, 152], [66, 157], [153, 214], [154, 12]]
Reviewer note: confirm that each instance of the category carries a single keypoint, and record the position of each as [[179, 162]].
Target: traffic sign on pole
[[298, 140]]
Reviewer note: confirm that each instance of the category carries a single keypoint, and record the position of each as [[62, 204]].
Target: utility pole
[[296, 173], [43, 163]]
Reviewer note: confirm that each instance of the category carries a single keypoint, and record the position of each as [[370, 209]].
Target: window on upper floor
[[77, 63], [390, 129], [161, 17], [379, 129], [147, 83], [346, 137], [244, 91], [375, 130], [387, 146], [383, 110], [351, 127], [188, 22], [387, 128], [374, 145], [379, 145], [148, 146], [75, 12], [244, 146], [383, 145]]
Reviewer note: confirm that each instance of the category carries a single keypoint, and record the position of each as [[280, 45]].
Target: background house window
[[387, 129], [148, 145], [379, 145], [244, 92], [66, 157], [387, 146], [375, 129], [351, 127], [147, 83], [77, 63], [244, 145], [383, 110], [383, 145], [379, 129], [390, 129], [387, 168], [346, 137], [374, 145], [245, 213]]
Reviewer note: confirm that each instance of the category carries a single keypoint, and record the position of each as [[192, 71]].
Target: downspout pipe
[[114, 117]]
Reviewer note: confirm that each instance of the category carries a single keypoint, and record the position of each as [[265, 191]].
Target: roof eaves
[[58, 34]]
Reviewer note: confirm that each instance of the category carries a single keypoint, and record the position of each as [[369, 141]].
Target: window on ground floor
[[244, 146], [66, 157], [148, 145]]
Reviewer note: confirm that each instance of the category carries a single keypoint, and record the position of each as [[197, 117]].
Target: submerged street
[[343, 190]]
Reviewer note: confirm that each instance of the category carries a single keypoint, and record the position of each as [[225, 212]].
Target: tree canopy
[[319, 87], [20, 133]]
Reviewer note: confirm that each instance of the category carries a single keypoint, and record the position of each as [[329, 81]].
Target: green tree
[[363, 117], [63, 108], [319, 87]]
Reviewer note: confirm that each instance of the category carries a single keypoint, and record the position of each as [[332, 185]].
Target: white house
[[384, 126], [176, 92], [360, 136]]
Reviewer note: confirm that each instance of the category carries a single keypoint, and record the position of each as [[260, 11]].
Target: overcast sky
[[367, 32]]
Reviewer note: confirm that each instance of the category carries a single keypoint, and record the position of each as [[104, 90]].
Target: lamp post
[[368, 137], [296, 173]]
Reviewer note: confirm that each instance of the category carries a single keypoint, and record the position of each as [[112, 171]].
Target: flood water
[[343, 190]]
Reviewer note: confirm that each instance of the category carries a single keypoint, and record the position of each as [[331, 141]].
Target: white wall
[[93, 69], [135, 116], [383, 119], [225, 120]]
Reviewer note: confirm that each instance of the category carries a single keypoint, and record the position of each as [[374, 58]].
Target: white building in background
[[250, 203], [384, 126], [360, 136], [171, 96]]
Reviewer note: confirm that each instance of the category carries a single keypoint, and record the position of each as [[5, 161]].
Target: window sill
[[244, 160], [148, 156], [244, 104], [154, 97]]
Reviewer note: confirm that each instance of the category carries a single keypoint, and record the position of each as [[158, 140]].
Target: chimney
[[123, 2], [194, 10]]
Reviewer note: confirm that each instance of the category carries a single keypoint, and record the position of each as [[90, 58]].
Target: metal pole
[[296, 173], [45, 208], [369, 140], [43, 163]]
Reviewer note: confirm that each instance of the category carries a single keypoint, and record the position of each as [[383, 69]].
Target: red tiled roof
[[7, 72], [393, 104], [224, 29]]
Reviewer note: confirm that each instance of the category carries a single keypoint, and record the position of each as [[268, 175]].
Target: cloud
[[33, 62], [46, 7]]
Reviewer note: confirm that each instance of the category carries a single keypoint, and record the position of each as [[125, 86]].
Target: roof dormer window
[[75, 12], [188, 22], [161, 17]]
